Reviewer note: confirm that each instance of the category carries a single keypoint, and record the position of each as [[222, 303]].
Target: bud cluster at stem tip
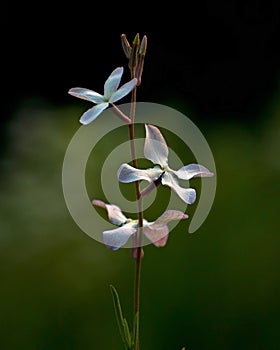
[[135, 54]]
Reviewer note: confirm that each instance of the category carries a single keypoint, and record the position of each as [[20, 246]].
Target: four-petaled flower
[[156, 150], [111, 95], [156, 232]]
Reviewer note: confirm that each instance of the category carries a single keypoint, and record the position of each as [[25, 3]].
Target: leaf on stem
[[135, 333], [121, 321]]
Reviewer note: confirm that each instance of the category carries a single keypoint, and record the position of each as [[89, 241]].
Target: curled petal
[[166, 217], [193, 170], [123, 90], [116, 238], [157, 231], [155, 148], [112, 83], [188, 195], [127, 173], [91, 114], [157, 236], [115, 214], [86, 94]]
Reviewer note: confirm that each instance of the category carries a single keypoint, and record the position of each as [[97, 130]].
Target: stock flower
[[156, 150], [111, 95], [156, 231]]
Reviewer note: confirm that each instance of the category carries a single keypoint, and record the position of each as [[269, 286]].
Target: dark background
[[221, 59], [216, 62]]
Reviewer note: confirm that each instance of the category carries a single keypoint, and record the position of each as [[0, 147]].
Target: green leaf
[[135, 333], [127, 333], [122, 323]]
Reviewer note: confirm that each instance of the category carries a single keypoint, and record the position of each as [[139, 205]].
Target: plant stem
[[138, 239]]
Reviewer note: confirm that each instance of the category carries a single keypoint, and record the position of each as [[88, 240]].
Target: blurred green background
[[216, 289]]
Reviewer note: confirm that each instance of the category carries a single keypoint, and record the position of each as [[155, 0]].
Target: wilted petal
[[155, 148], [91, 114], [193, 170], [166, 217], [112, 83], [123, 90], [157, 236], [115, 214], [157, 231], [127, 173], [116, 238], [188, 195], [87, 95]]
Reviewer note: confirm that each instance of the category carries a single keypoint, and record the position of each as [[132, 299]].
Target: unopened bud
[[143, 46], [140, 65], [135, 253], [133, 59], [126, 46]]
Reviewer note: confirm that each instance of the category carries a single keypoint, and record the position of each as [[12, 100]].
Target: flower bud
[[143, 46], [142, 53], [133, 59], [126, 46]]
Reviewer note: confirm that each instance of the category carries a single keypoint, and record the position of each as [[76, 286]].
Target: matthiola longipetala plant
[[156, 230]]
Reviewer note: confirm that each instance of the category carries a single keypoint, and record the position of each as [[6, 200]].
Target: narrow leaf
[[136, 328], [127, 333], [119, 315]]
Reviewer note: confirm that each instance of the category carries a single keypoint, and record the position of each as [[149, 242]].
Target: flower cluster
[[155, 150]]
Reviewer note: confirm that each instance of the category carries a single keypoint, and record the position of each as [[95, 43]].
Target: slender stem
[[138, 239]]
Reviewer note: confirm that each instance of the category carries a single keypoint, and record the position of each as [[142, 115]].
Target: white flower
[[157, 231], [156, 150], [111, 95]]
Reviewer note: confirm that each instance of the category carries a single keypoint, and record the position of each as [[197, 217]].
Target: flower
[[157, 231], [111, 95], [156, 150]]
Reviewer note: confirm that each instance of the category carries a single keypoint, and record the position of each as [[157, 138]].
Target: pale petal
[[123, 90], [157, 236], [116, 238], [192, 170], [113, 82], [127, 173], [91, 114], [155, 148], [157, 231], [115, 214], [188, 195], [87, 95], [166, 217]]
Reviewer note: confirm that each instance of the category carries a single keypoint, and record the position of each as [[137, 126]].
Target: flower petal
[[116, 238], [155, 148], [91, 114], [113, 82], [192, 170], [115, 214], [157, 231], [87, 95], [166, 217], [188, 195], [158, 236], [127, 173], [123, 90]]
